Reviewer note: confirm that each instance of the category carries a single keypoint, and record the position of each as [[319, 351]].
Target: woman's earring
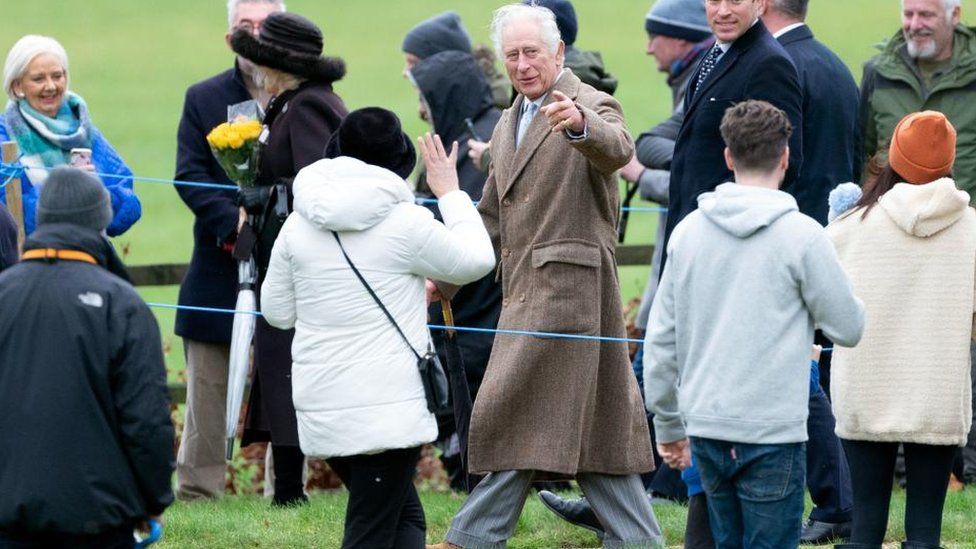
[[21, 95]]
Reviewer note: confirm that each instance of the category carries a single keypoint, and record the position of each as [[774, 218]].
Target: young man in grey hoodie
[[747, 281]]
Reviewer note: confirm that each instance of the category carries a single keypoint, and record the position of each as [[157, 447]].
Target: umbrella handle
[[448, 316]]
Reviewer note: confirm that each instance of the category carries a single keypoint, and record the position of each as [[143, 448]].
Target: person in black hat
[[87, 447], [301, 117], [357, 392]]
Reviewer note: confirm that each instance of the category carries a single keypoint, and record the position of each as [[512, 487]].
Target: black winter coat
[[831, 127], [454, 89], [755, 67], [211, 280], [87, 442], [8, 239], [300, 123]]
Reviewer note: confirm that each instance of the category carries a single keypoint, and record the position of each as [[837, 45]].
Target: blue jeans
[[755, 492]]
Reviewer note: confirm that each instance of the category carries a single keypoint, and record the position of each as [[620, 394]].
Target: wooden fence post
[[15, 197]]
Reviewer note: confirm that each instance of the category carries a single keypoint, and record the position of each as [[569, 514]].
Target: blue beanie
[[565, 17], [684, 19], [443, 32]]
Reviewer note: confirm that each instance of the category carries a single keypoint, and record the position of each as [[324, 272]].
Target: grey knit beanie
[[70, 195], [683, 19]]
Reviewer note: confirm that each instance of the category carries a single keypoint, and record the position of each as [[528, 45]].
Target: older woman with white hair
[[48, 121]]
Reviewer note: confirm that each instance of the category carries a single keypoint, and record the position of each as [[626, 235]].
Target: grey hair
[[232, 7], [543, 16], [796, 9], [23, 52], [274, 81], [947, 5]]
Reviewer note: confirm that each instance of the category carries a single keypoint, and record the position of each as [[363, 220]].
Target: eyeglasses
[[250, 26]]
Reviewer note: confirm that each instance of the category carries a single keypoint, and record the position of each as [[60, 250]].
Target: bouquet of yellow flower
[[235, 146]]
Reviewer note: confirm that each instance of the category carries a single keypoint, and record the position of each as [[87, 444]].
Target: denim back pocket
[[770, 470]]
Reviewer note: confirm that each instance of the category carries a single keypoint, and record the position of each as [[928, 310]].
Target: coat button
[[505, 302], [506, 202], [522, 298], [506, 252]]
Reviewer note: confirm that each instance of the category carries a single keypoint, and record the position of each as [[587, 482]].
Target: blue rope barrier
[[542, 335], [5, 170], [10, 171]]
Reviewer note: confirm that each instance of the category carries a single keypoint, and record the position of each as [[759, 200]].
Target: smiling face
[[730, 19], [531, 67], [43, 85], [928, 28]]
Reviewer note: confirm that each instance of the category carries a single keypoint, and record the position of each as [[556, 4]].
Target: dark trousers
[[872, 466], [115, 539], [289, 464], [698, 530], [384, 511], [828, 476], [755, 492]]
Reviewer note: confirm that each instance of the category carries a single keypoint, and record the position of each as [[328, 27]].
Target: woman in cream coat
[[909, 248], [355, 383]]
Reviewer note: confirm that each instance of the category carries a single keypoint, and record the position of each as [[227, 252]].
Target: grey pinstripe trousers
[[489, 516]]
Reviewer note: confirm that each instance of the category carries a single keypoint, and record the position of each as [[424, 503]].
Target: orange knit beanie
[[923, 147]]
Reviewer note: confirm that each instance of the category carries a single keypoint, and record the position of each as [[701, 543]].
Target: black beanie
[[565, 17], [443, 32], [70, 195], [374, 135]]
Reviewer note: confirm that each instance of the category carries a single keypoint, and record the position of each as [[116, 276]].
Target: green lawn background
[[133, 59]]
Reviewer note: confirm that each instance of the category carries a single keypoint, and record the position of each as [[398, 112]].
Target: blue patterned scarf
[[46, 141]]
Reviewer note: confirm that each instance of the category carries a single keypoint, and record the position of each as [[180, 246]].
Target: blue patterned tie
[[707, 65], [527, 116]]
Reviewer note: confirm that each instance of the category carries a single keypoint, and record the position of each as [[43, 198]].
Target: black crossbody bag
[[431, 372]]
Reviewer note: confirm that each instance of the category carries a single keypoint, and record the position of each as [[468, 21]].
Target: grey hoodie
[[727, 351]]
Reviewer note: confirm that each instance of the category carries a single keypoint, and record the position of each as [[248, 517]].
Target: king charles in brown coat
[[550, 205]]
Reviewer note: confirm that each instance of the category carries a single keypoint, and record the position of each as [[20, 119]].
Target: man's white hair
[[23, 52], [515, 12], [948, 5], [232, 7]]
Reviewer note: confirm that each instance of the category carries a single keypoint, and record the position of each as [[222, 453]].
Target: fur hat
[[373, 135], [289, 43], [442, 32], [684, 19], [70, 195], [565, 17], [923, 147]]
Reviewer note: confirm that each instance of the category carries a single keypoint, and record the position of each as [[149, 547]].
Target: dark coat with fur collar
[[300, 123]]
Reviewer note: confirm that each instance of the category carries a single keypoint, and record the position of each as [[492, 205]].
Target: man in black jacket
[[87, 452], [745, 63], [831, 133], [211, 280]]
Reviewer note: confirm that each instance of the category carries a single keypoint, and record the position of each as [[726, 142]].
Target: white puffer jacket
[[355, 384]]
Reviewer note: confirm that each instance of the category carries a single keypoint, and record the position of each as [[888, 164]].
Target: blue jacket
[[211, 280], [116, 176], [831, 128], [755, 67]]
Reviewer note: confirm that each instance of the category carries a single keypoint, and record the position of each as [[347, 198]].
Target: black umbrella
[[461, 395]]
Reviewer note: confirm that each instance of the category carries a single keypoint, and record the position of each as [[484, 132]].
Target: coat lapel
[[537, 132], [724, 64]]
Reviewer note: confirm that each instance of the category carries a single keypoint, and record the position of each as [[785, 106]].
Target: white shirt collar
[[787, 29]]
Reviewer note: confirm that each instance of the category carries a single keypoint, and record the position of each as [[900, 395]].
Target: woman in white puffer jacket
[[355, 384]]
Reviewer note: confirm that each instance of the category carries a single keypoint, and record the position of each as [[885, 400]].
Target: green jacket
[[892, 87]]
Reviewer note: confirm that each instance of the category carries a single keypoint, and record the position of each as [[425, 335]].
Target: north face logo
[[91, 299]]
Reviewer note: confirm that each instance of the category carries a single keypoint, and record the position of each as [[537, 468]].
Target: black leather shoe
[[574, 511], [816, 532]]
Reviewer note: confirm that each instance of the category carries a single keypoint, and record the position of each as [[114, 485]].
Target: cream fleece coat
[[912, 261]]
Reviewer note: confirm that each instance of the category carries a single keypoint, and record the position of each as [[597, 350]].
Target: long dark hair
[[875, 188]]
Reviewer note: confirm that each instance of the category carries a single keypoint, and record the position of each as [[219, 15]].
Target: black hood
[[454, 88], [68, 236]]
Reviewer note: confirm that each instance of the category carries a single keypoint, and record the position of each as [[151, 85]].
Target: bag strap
[[374, 296]]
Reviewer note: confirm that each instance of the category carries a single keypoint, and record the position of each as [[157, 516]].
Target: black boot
[[858, 546], [918, 545], [289, 488], [574, 511]]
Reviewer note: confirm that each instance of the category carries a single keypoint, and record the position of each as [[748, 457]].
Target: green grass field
[[250, 522], [132, 61]]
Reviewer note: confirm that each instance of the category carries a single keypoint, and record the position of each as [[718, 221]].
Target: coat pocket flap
[[575, 252]]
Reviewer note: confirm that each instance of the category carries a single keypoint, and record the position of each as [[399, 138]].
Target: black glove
[[254, 199]]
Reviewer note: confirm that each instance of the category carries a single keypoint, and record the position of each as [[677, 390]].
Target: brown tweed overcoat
[[551, 208]]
